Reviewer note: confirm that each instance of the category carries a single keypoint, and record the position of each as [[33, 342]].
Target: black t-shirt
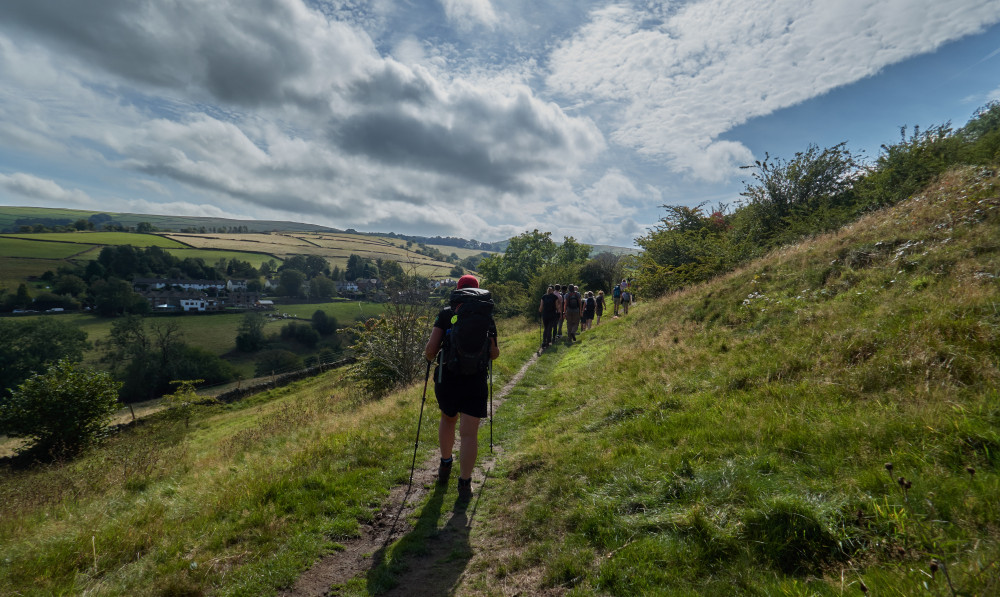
[[549, 305]]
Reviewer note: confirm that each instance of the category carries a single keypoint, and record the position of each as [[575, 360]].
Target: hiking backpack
[[617, 292], [573, 301], [466, 349]]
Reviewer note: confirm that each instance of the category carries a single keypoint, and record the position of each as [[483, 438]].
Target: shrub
[[62, 410], [277, 361]]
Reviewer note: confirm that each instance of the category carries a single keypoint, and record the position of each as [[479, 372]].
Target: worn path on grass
[[423, 577]]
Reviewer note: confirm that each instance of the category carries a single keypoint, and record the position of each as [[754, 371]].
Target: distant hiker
[[550, 306], [589, 308], [600, 306], [573, 306], [460, 378], [626, 301], [616, 294], [561, 293]]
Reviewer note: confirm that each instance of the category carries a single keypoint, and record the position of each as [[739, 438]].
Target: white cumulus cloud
[[678, 78]]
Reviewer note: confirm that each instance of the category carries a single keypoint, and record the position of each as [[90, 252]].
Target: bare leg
[[468, 429], [446, 434]]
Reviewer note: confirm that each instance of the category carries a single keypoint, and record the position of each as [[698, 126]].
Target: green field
[[210, 256], [343, 311], [38, 249], [103, 238], [216, 332], [14, 271]]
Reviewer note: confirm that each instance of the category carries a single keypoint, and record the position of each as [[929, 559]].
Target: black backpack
[[466, 349], [573, 301]]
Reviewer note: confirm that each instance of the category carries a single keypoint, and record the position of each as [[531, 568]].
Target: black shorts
[[466, 394]]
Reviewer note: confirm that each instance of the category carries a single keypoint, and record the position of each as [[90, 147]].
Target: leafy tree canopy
[[29, 346], [62, 410]]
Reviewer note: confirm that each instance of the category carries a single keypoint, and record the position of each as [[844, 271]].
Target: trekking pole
[[491, 406], [419, 421]]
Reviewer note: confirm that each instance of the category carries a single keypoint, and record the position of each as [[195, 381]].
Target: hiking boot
[[465, 489], [444, 471]]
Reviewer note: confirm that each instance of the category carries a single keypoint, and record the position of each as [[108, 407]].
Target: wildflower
[[971, 471], [888, 466], [934, 567]]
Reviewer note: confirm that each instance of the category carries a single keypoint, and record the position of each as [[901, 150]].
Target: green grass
[[37, 249], [732, 438], [15, 271], [217, 332], [343, 310], [211, 256], [102, 238], [213, 332]]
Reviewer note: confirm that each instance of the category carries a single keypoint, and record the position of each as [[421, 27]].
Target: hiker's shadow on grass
[[427, 561]]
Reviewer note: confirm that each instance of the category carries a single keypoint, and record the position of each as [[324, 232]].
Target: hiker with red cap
[[461, 375]]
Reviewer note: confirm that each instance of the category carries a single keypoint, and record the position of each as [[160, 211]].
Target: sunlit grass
[[733, 437]]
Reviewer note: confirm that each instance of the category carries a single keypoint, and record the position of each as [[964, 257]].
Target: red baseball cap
[[468, 281]]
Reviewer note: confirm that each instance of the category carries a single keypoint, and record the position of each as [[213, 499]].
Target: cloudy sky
[[472, 118]]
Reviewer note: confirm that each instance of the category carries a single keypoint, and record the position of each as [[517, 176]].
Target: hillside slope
[[825, 417]]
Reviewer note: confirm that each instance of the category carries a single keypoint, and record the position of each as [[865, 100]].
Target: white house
[[195, 304]]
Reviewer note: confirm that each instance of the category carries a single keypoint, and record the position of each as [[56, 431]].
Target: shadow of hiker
[[428, 561]]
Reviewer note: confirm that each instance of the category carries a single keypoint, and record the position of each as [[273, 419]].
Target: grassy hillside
[[11, 216], [733, 438]]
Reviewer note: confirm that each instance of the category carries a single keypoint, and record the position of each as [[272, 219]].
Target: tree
[[322, 288], [20, 300], [250, 336], [602, 272], [28, 347], [316, 266], [571, 251], [389, 349], [70, 284], [524, 257], [114, 297], [323, 323], [360, 267], [276, 362], [268, 267], [62, 410], [300, 332], [290, 283], [786, 191], [147, 356]]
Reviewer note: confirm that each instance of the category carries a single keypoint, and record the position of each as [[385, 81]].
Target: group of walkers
[[565, 303], [462, 375]]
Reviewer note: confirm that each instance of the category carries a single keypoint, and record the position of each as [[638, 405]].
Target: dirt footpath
[[424, 576]]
